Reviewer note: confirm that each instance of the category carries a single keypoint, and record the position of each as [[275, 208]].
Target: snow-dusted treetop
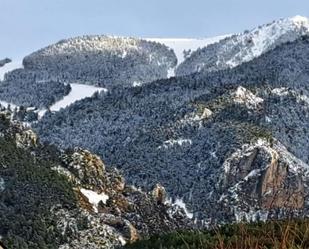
[[91, 44], [103, 60]]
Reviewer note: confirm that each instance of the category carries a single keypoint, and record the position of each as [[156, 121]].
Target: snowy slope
[[263, 38], [78, 92], [179, 45], [243, 47], [9, 67]]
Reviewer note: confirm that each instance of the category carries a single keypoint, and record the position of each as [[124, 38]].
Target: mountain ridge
[[243, 47]]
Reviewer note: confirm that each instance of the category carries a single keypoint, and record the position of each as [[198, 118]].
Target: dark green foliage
[[31, 188]]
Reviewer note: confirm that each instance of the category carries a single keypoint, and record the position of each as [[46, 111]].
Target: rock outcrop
[[260, 177]]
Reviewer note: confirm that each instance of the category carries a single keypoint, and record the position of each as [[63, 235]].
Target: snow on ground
[[253, 173], [94, 198], [78, 92], [262, 38], [180, 203], [6, 104], [2, 184], [9, 67], [251, 215], [179, 45], [172, 142], [244, 96]]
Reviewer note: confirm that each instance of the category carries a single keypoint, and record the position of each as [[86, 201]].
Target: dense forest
[[182, 131]]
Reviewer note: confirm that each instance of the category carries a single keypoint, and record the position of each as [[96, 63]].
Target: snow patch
[[267, 119], [183, 47], [2, 184], [180, 45], [171, 72], [94, 198], [180, 203], [78, 92], [244, 96], [171, 143], [251, 215], [122, 240], [263, 38], [253, 173], [9, 67], [137, 83], [282, 91], [6, 105]]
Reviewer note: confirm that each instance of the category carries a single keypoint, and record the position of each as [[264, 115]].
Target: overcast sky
[[27, 25]]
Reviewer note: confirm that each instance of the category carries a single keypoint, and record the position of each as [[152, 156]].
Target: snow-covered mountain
[[92, 60], [108, 61], [105, 61], [243, 47]]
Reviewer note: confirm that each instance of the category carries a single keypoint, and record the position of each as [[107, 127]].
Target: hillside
[[184, 47], [103, 61], [68, 199], [239, 48], [212, 139]]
